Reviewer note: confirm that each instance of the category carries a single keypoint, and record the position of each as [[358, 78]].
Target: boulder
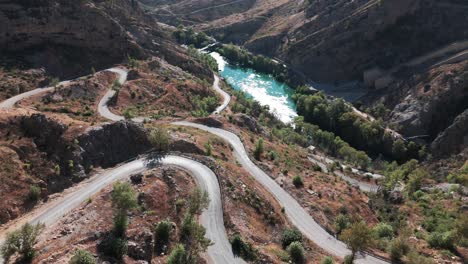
[[244, 120]]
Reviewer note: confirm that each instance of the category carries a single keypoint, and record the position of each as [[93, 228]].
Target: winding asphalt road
[[211, 218], [102, 107], [295, 212], [9, 103], [226, 96], [104, 111]]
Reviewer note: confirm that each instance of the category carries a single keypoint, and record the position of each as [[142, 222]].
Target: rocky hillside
[[69, 38], [413, 52]]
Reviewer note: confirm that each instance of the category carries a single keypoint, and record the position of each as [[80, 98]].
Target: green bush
[[327, 260], [21, 242], [82, 257], [162, 233], [204, 106], [178, 255], [123, 199], [296, 252], [297, 181], [397, 249], [383, 230], [258, 149], [341, 223], [120, 224], [34, 193], [442, 240], [208, 149], [243, 249], [290, 235], [348, 259], [159, 138], [118, 247]]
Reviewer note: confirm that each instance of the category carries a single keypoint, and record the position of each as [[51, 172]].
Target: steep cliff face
[[69, 38], [428, 103], [78, 34], [454, 139]]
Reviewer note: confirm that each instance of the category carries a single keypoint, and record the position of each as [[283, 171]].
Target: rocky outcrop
[[454, 139], [113, 143], [102, 146], [45, 131], [185, 146], [427, 104], [209, 121], [244, 120]]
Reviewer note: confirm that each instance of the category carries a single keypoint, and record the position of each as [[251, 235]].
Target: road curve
[[211, 218], [102, 106], [104, 111], [226, 96], [295, 212], [10, 103]]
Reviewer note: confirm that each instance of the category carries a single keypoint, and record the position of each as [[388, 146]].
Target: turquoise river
[[261, 87]]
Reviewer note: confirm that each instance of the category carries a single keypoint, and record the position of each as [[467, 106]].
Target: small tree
[[162, 233], [399, 150], [82, 257], [21, 242], [160, 139], [193, 236], [34, 193], [54, 82], [397, 249], [327, 260], [383, 230], [123, 199], [242, 248], [358, 237], [296, 252], [198, 201], [341, 223], [290, 235], [297, 181], [258, 149], [208, 149], [178, 255]]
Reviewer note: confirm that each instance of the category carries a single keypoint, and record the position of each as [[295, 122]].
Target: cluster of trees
[[124, 199], [191, 241], [291, 240], [189, 37], [259, 63], [243, 249], [204, 105], [21, 243], [444, 226], [204, 58], [336, 116], [303, 134]]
